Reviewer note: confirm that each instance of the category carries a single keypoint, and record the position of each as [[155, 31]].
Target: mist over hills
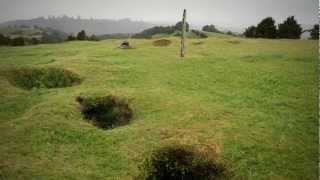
[[91, 26]]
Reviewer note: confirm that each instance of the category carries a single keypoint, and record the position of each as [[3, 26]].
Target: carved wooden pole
[[183, 30]]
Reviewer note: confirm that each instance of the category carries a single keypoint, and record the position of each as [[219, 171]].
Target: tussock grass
[[28, 78]]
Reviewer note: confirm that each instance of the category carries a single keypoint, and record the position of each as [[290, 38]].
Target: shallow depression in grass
[[106, 112], [28, 78]]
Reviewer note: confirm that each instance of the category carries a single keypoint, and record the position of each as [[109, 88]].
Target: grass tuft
[[28, 78]]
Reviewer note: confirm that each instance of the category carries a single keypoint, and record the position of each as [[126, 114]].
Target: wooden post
[[183, 30]]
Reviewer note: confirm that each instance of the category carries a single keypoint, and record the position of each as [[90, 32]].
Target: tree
[[315, 32], [267, 28], [82, 35], [289, 29], [210, 28], [178, 26], [250, 32]]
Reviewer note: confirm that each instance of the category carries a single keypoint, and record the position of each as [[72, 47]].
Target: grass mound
[[162, 42], [106, 112], [28, 78], [177, 162]]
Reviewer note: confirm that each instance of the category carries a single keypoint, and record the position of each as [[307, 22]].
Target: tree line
[[82, 36], [46, 37], [288, 29]]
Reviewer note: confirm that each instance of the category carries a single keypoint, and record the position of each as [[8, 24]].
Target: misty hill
[[91, 26]]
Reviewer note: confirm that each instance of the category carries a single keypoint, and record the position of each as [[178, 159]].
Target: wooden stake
[[183, 30]]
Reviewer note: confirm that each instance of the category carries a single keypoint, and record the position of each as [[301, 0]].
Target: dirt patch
[[28, 78], [233, 41], [106, 112], [182, 162], [162, 42], [198, 43]]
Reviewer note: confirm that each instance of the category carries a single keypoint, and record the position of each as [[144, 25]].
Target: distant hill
[[91, 26]]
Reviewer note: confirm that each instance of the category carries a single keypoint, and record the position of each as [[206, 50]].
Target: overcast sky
[[239, 13]]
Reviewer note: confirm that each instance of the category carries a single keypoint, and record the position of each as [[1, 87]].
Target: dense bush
[[289, 29], [71, 37], [18, 41], [148, 33], [4, 40], [199, 33], [181, 162], [315, 32], [29, 78], [106, 112], [210, 28], [178, 26]]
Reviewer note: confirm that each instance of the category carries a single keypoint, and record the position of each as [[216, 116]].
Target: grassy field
[[254, 100]]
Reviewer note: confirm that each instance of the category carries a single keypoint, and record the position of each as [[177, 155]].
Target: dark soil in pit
[[182, 163], [28, 78], [162, 42], [106, 112]]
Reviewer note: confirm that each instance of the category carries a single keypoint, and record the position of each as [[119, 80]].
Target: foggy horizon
[[221, 13]]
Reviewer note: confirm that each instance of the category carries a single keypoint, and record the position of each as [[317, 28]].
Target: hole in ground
[[106, 112], [162, 42], [28, 78], [183, 162]]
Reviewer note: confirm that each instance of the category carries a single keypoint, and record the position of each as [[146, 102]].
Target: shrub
[[29, 78], [162, 42], [106, 112], [175, 162]]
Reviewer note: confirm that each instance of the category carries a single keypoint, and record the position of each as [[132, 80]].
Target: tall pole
[[183, 33]]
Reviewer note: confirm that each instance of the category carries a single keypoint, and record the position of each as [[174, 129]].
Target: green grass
[[255, 101]]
